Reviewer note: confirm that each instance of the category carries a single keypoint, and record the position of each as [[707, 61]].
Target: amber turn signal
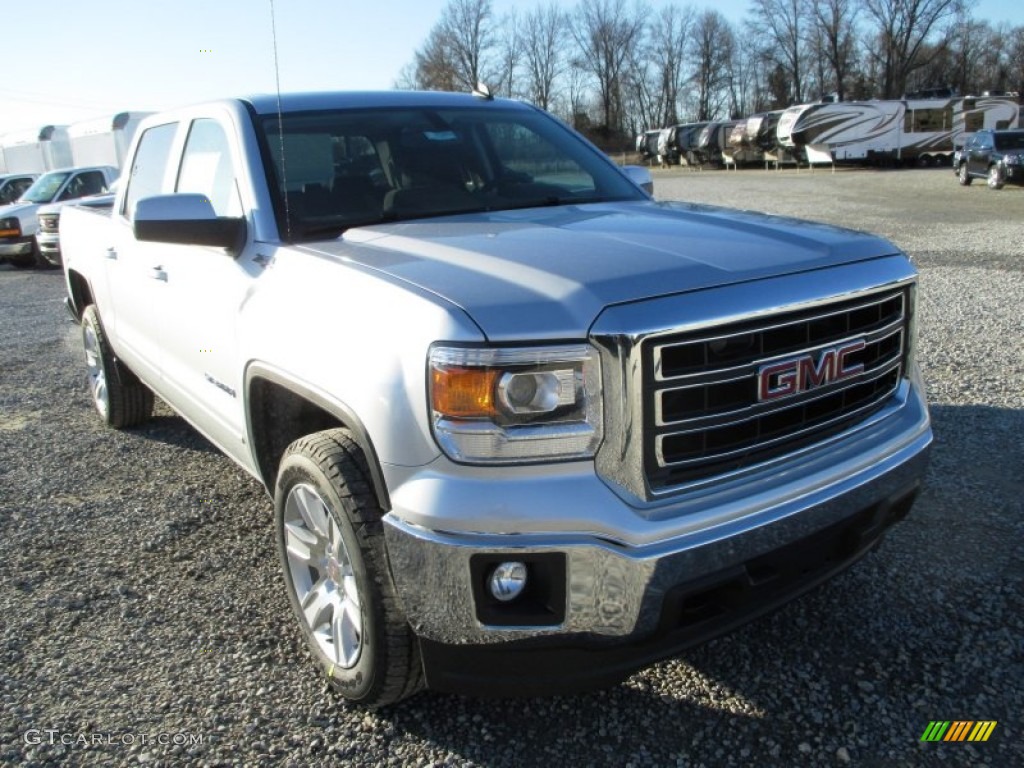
[[464, 393]]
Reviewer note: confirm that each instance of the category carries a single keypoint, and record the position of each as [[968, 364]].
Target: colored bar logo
[[958, 730]]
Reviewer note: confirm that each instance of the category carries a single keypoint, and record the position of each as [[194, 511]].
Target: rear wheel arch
[[79, 292], [280, 410]]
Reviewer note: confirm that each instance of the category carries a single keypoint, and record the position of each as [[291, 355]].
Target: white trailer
[[36, 151], [922, 131], [105, 140]]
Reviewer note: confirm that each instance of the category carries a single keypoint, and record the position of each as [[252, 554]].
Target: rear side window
[[149, 166], [206, 167]]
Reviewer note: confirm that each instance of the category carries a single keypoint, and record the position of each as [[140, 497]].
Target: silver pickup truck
[[526, 429]]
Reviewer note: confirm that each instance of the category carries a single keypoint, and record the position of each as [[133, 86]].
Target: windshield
[[356, 167], [45, 187], [1013, 140]]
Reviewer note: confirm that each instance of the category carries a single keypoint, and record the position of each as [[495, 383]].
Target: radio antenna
[[280, 130]]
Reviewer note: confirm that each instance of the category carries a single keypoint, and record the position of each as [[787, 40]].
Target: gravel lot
[[141, 601]]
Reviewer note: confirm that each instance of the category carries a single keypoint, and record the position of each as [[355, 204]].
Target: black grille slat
[[703, 416]]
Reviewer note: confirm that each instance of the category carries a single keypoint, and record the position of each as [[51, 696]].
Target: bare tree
[[1015, 59], [903, 29], [605, 33], [783, 24], [970, 42], [510, 48], [543, 35], [669, 34], [458, 51], [836, 22], [434, 65], [711, 51]]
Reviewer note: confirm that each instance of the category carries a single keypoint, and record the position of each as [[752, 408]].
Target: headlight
[[10, 227], [1012, 160], [500, 405]]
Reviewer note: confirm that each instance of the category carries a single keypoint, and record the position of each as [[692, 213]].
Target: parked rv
[[713, 140], [19, 220], [647, 144], [13, 186], [683, 142], [740, 148], [36, 151], [915, 131], [103, 141]]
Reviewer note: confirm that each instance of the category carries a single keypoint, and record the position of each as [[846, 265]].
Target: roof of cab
[[267, 104]]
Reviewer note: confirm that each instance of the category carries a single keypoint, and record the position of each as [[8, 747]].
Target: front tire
[[120, 398], [331, 542], [964, 176], [995, 177]]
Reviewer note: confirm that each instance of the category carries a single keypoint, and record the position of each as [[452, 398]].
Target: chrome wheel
[[322, 576], [97, 373], [965, 176], [995, 178]]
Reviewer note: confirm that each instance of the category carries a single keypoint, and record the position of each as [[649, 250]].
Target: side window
[[83, 184], [206, 167], [149, 166]]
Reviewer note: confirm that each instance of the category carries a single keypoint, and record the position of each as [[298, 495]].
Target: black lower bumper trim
[[692, 613]]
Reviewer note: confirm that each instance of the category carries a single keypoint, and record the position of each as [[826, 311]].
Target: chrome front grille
[[711, 399], [49, 222]]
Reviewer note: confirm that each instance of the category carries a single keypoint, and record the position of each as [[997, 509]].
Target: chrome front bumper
[[614, 591]]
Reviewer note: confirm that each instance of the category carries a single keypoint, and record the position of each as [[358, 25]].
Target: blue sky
[[80, 59]]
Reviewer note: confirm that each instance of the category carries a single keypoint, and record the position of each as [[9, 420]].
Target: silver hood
[[547, 273]]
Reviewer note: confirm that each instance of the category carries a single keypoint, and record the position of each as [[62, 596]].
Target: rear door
[[135, 312]]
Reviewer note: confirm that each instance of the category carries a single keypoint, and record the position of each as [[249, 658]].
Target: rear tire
[[964, 176], [119, 397], [330, 538]]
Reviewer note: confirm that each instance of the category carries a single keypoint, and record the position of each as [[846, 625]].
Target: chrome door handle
[[112, 254], [158, 273]]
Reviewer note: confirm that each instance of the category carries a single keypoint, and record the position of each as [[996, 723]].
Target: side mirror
[[641, 177], [186, 219]]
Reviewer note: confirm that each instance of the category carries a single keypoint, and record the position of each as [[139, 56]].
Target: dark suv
[[997, 156]]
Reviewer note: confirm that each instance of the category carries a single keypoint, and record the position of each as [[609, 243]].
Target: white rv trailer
[[924, 131], [105, 140], [36, 151], [740, 148]]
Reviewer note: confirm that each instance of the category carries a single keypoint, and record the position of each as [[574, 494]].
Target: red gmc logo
[[786, 378]]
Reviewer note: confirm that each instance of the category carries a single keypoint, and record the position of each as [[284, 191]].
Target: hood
[[23, 211], [546, 273]]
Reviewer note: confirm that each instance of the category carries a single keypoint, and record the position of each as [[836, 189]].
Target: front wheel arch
[[280, 410]]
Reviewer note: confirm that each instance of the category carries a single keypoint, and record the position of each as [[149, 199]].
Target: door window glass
[[149, 166], [206, 168]]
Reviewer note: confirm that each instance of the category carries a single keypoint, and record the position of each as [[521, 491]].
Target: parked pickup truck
[[13, 186], [526, 429], [48, 217], [19, 221]]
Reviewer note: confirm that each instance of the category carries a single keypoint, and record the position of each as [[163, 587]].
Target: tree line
[[613, 69]]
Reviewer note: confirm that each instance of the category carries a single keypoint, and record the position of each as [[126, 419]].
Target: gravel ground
[[141, 601]]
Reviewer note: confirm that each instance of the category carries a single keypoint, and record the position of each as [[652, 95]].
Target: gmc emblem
[[786, 378]]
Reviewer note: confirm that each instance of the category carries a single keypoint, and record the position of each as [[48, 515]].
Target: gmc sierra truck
[[526, 429]]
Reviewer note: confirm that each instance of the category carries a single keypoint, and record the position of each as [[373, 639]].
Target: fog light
[[508, 581]]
